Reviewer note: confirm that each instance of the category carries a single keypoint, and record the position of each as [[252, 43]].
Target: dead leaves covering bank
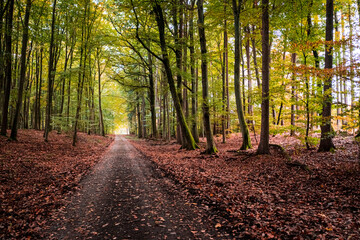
[[35, 176], [263, 197]]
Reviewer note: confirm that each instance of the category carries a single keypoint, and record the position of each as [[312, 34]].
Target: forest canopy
[[182, 69]]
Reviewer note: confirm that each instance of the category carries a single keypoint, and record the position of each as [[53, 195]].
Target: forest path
[[125, 197]]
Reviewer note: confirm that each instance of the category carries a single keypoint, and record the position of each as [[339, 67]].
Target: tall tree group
[[267, 67], [44, 45]]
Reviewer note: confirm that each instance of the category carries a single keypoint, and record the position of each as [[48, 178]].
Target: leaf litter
[[264, 197], [35, 176]]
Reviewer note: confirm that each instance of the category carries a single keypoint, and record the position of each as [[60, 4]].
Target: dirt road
[[126, 198]]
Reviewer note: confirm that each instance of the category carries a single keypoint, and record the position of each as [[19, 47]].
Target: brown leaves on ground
[[35, 176], [265, 197]]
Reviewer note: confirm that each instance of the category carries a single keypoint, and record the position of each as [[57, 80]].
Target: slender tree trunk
[[243, 126], [152, 97], [185, 66], [101, 117], [50, 76], [247, 48], [264, 147], [82, 68], [37, 72], [69, 92], [307, 106], [293, 61], [2, 60], [178, 54], [194, 126], [224, 117], [140, 128], [25, 39], [143, 115], [255, 58], [351, 77], [210, 144], [326, 143], [8, 66]]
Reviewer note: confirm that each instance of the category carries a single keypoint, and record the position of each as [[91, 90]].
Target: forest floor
[[35, 176], [54, 190], [313, 196], [126, 197]]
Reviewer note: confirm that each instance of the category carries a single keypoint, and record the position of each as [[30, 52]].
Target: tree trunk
[[264, 147], [194, 126], [293, 61], [210, 144], [140, 128], [2, 62], [69, 92], [243, 126], [50, 76], [178, 54], [101, 117], [225, 81], [8, 67], [247, 48], [24, 43], [152, 97], [143, 115], [82, 68], [326, 143], [255, 58]]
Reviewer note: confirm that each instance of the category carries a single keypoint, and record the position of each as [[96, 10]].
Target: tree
[[210, 145], [189, 142], [8, 65], [100, 72], [194, 83], [264, 147], [326, 143], [237, 6], [25, 39], [51, 75]]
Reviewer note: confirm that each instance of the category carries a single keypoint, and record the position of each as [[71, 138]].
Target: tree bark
[[293, 61], [24, 43], [152, 97], [50, 76], [225, 81], [243, 126], [247, 49], [101, 117], [264, 147], [210, 144], [8, 65], [326, 143], [194, 125]]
